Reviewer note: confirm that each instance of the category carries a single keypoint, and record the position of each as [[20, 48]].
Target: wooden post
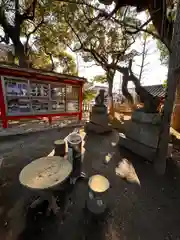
[[173, 78], [50, 120], [3, 107], [80, 102]]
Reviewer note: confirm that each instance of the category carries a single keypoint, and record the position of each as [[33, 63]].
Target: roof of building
[[33, 72], [156, 90]]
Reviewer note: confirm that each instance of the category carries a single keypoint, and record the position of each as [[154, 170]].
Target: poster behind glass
[[17, 99], [57, 96], [40, 105], [38, 89], [16, 87], [72, 97], [39, 93]]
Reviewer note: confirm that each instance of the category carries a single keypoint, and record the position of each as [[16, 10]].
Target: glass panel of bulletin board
[[58, 97], [39, 93], [16, 96], [72, 98]]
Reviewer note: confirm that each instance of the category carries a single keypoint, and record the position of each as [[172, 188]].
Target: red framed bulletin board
[[30, 93]]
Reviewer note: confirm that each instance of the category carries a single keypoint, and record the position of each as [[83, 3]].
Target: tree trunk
[[20, 54], [110, 77], [175, 119], [14, 35], [173, 77], [158, 15]]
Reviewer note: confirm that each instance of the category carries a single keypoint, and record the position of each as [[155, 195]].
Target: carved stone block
[[152, 118]]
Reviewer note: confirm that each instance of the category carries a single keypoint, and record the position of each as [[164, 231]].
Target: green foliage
[[164, 53], [88, 95], [40, 60], [100, 78], [103, 42], [57, 25], [67, 63], [165, 83]]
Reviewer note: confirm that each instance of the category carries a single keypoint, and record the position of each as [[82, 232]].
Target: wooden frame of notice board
[[30, 93]]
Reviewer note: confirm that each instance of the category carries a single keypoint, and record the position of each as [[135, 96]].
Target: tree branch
[[4, 39], [142, 26], [75, 33], [98, 58], [30, 33], [51, 58], [29, 12]]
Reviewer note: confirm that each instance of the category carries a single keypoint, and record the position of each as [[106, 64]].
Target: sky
[[154, 72]]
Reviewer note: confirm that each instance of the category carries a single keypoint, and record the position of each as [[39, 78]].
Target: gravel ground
[[16, 153], [136, 212]]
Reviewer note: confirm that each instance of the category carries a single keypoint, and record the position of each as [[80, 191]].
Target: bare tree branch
[[29, 12], [4, 39]]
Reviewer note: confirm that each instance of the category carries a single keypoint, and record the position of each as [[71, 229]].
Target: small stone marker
[[60, 148]]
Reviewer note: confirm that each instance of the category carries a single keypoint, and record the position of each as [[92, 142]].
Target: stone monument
[[142, 134], [98, 117], [143, 130]]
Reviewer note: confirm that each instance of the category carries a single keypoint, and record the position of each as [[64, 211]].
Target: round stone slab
[[45, 173]]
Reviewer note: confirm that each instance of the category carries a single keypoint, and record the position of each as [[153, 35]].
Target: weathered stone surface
[[138, 148], [99, 109], [98, 120], [152, 118], [147, 134], [91, 127], [142, 134], [101, 119]]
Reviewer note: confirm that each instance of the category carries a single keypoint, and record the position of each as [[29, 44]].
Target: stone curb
[[19, 134]]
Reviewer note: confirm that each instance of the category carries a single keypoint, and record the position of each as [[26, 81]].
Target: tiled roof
[[156, 90]]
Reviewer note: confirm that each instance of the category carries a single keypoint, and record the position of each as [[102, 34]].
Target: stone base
[[137, 148], [100, 119], [99, 109], [96, 128]]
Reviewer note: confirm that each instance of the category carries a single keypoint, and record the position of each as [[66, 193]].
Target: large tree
[[159, 13], [14, 15], [173, 78], [99, 41], [163, 23], [40, 36]]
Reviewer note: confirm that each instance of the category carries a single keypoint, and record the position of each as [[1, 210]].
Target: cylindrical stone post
[[97, 197], [74, 142], [60, 148]]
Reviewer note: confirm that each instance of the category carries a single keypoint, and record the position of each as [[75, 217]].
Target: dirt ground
[[145, 211]]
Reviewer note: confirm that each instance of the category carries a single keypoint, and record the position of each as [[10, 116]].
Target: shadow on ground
[[146, 211], [16, 153]]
